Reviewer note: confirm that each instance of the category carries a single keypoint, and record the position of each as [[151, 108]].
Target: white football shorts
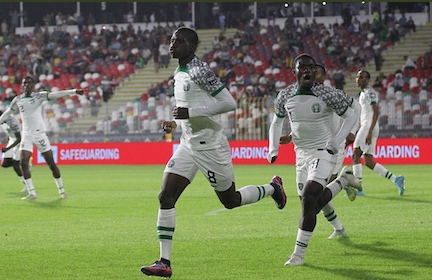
[[360, 139], [215, 164], [316, 165], [40, 140]]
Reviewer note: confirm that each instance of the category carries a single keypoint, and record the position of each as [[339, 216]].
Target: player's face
[[361, 79], [179, 47], [320, 76], [27, 85], [305, 72]]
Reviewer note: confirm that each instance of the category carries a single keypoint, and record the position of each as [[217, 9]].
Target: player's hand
[[4, 149], [285, 139], [180, 113], [350, 139], [169, 126], [79, 91]]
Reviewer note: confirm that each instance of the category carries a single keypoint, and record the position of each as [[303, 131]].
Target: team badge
[[316, 108], [300, 186], [186, 86], [171, 163]]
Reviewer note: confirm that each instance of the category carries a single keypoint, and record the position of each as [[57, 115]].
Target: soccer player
[[310, 107], [11, 153], [29, 106], [200, 98], [328, 209], [365, 140]]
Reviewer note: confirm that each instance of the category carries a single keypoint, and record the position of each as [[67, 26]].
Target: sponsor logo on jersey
[[212, 81], [300, 186]]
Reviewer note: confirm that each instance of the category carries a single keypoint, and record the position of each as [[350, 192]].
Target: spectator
[[215, 12], [4, 28], [409, 63], [339, 79], [106, 88], [410, 24], [164, 53], [378, 57]]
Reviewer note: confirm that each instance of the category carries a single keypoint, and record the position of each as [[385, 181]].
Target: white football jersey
[[195, 85], [11, 126], [30, 110], [367, 97], [311, 113]]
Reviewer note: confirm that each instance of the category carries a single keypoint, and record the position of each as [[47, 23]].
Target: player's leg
[[49, 159], [217, 166], [179, 172], [328, 210], [320, 165], [25, 156], [17, 166], [360, 146], [380, 169], [330, 214]]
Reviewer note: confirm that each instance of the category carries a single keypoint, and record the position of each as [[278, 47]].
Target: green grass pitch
[[106, 229]]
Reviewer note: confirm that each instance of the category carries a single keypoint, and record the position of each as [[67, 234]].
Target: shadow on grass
[[49, 204], [361, 274], [381, 250], [402, 199]]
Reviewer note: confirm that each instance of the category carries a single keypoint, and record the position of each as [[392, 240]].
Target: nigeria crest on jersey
[[186, 86], [316, 108]]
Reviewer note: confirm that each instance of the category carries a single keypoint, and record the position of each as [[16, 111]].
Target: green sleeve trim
[[346, 108], [217, 91], [279, 116]]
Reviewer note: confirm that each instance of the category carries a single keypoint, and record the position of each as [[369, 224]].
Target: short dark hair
[[303, 55], [190, 35], [28, 77], [366, 72]]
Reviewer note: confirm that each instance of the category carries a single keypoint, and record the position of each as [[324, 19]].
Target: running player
[[29, 106], [200, 99]]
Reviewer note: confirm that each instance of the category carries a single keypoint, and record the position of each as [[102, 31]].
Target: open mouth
[[307, 78]]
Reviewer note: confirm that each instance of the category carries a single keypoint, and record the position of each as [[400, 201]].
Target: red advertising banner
[[388, 151]]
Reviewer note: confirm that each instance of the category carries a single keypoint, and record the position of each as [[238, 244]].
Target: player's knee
[[165, 200], [7, 163]]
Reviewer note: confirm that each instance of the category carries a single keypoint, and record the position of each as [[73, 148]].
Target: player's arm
[[275, 133], [357, 110], [63, 93], [226, 103], [350, 119], [6, 114], [17, 141], [373, 123]]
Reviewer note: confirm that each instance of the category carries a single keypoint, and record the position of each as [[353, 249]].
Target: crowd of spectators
[[254, 64]]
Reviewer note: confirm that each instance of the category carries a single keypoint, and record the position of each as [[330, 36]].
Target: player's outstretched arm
[[63, 93]]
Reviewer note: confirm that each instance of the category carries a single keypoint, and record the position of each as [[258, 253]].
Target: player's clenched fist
[[169, 126]]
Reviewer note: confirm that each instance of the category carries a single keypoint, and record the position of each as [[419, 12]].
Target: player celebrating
[[328, 210], [310, 107], [11, 153], [365, 141], [29, 106], [200, 98]]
